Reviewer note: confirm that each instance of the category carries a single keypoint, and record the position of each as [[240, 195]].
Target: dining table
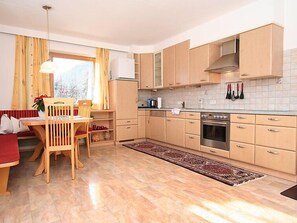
[[37, 124]]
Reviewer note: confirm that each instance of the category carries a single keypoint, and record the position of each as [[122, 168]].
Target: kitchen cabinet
[[175, 131], [169, 67], [137, 68], [123, 99], [200, 59], [261, 52], [192, 130], [158, 70], [147, 71], [157, 128], [214, 151], [103, 127], [176, 65], [141, 124], [242, 137]]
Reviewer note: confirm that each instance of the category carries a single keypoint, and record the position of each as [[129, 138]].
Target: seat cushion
[[78, 133], [9, 149]]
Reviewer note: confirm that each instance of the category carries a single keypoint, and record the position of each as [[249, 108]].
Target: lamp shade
[[48, 67]]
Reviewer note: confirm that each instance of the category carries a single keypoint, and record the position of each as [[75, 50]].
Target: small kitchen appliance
[[159, 102], [151, 103]]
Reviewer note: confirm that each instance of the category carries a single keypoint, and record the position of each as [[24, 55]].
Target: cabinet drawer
[[286, 121], [141, 112], [193, 115], [242, 133], [126, 132], [242, 152], [213, 151], [243, 118], [276, 159], [127, 122], [180, 115], [193, 142], [193, 127], [277, 137]]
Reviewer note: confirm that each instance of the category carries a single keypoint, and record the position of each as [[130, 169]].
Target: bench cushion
[[9, 149]]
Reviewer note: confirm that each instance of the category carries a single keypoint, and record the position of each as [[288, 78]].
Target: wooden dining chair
[[84, 110], [59, 130]]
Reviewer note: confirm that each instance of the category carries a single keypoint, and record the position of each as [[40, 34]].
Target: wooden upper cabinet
[[147, 71], [261, 52], [169, 67], [200, 59], [182, 63]]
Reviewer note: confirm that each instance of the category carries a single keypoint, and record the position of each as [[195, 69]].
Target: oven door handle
[[215, 123]]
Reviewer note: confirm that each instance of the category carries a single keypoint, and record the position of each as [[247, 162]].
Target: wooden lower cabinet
[[193, 142], [141, 126], [193, 127], [276, 159], [157, 128], [214, 151], [276, 137], [242, 132], [175, 131], [126, 132], [242, 152]]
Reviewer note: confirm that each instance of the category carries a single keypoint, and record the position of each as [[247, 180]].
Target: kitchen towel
[[175, 111]]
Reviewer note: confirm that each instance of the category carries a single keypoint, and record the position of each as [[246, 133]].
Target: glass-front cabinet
[[158, 70]]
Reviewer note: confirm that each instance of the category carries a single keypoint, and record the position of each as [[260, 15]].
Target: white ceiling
[[124, 22]]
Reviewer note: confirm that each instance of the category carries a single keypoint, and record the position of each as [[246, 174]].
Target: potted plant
[[39, 105]]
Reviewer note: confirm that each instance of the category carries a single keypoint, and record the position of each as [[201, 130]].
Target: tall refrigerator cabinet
[[123, 99]]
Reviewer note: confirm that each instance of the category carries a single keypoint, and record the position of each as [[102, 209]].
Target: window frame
[[67, 56]]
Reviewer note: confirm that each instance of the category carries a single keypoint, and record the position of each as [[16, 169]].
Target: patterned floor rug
[[217, 170]]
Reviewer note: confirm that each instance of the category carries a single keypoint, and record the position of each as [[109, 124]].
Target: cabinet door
[[146, 71], [182, 63], [126, 99], [169, 67], [157, 128], [158, 70], [200, 59], [261, 52], [141, 126], [175, 131]]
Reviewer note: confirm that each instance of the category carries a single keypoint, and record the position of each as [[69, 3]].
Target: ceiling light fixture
[[48, 66]]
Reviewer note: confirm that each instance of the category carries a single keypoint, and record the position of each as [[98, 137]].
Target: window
[[75, 76]]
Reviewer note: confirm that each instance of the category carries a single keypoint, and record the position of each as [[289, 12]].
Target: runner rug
[[217, 170]]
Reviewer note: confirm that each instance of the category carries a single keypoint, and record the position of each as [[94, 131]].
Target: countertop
[[234, 111]]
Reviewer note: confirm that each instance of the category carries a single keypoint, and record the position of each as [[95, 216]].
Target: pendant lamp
[[48, 66]]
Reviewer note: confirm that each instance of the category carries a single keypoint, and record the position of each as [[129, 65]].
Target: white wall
[[290, 33], [7, 49]]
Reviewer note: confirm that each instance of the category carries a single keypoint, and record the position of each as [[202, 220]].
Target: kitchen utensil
[[227, 94], [153, 103], [229, 91], [233, 94], [159, 102], [237, 91], [241, 94]]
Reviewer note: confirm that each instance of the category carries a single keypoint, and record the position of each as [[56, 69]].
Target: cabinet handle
[[271, 152], [273, 130], [240, 117], [170, 84], [239, 146], [146, 86], [212, 151], [191, 114], [168, 120], [191, 137], [240, 127], [128, 121], [203, 80], [273, 119], [192, 122], [244, 75], [177, 83], [128, 128]]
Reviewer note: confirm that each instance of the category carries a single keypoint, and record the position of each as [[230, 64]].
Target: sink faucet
[[183, 104]]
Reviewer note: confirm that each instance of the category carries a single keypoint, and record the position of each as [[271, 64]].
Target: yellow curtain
[[101, 92], [28, 82]]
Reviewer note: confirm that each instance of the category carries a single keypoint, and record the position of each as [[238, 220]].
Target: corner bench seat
[[9, 156]]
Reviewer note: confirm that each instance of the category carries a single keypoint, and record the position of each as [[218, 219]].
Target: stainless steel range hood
[[229, 60]]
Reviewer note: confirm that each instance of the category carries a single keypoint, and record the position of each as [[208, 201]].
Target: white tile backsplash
[[262, 94]]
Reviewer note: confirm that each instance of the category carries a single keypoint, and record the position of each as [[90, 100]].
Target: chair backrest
[[59, 127], [84, 108]]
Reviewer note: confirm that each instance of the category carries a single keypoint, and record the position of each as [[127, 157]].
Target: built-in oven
[[215, 130]]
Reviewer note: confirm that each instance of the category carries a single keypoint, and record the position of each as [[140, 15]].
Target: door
[[169, 67], [126, 101], [182, 63], [147, 71], [175, 131], [157, 128], [141, 126]]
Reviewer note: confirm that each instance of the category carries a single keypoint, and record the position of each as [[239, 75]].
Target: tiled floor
[[121, 185]]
